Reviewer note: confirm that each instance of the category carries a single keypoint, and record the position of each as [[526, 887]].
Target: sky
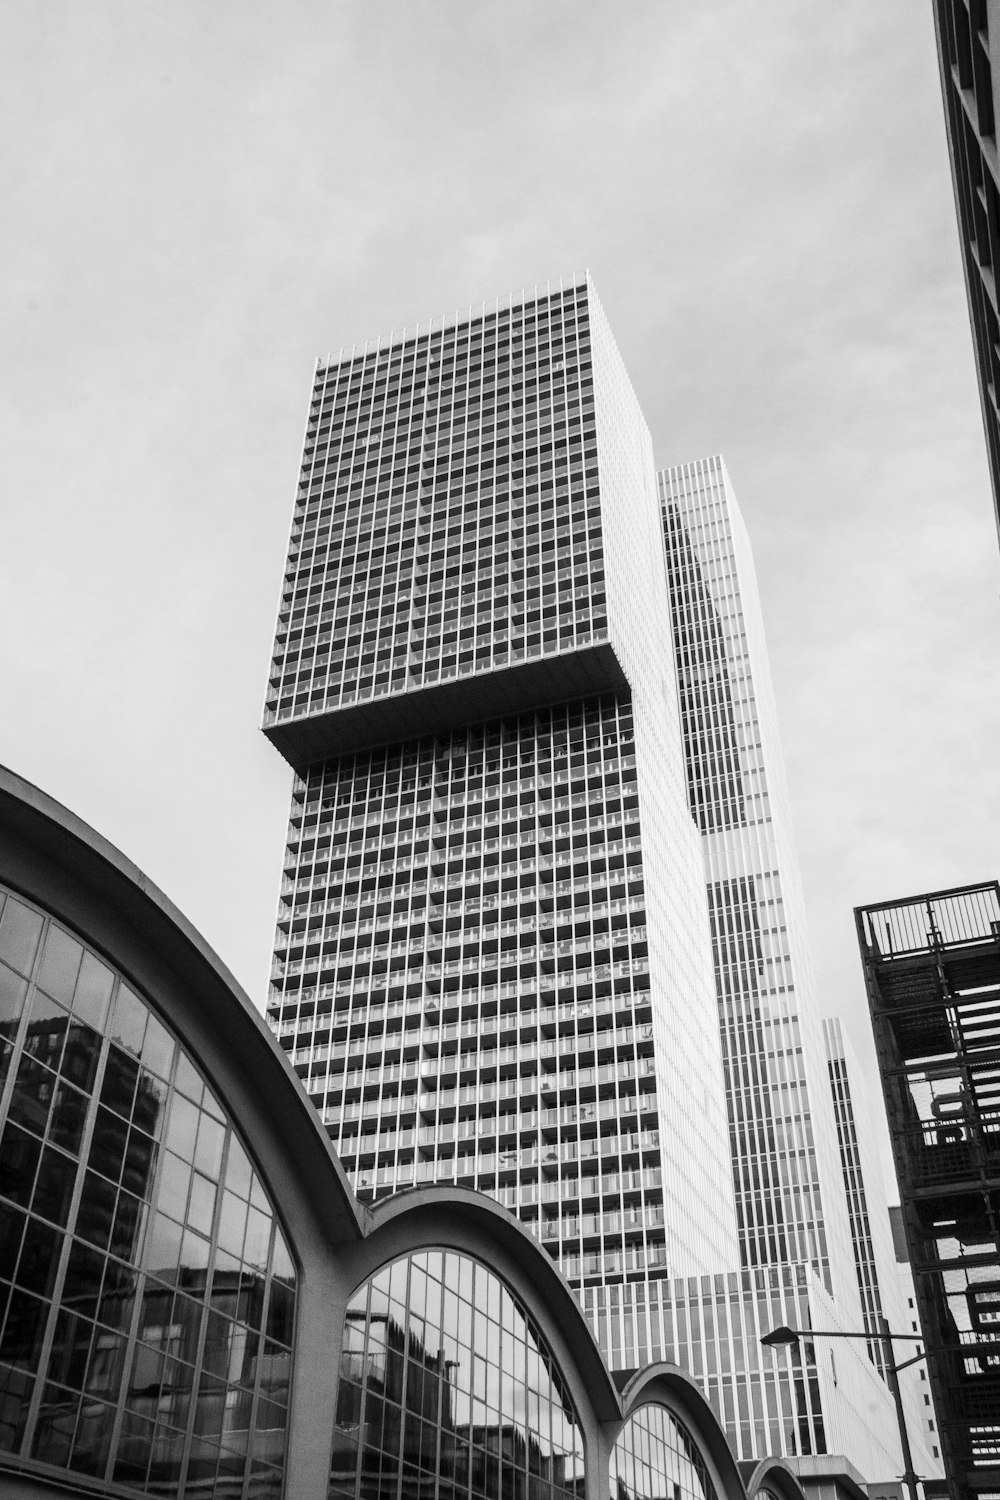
[[198, 200]]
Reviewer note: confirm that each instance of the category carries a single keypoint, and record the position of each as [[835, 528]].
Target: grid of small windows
[[711, 740], [967, 42], [462, 975], [857, 1204], [447, 1387], [711, 1326], [448, 518], [727, 712], [146, 1291], [656, 1458], [768, 1233]]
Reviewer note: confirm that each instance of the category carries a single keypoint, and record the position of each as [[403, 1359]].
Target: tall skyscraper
[[866, 1228], [783, 1140], [885, 1283], [493, 962], [968, 36], [796, 1249]]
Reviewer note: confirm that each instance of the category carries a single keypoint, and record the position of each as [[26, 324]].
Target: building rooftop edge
[[538, 293]]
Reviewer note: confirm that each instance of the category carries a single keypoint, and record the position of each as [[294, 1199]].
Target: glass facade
[[448, 1388], [448, 519], [783, 1144], [492, 964], [656, 1458], [789, 1187], [886, 1285], [967, 39], [484, 1014], [147, 1294], [712, 1327], [862, 1240]]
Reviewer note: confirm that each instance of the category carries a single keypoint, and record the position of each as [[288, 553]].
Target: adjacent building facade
[[932, 968], [968, 35], [884, 1279], [783, 1143], [811, 1256]]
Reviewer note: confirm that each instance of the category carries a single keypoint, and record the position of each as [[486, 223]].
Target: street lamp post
[[785, 1337]]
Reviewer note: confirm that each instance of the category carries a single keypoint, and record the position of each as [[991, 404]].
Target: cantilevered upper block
[[475, 531]]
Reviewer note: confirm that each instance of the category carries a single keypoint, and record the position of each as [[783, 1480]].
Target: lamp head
[[780, 1338]]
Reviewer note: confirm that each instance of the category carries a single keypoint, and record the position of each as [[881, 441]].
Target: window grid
[[448, 519], [147, 1295], [656, 1458], [462, 976], [711, 1326], [779, 1133], [857, 1203], [446, 1383]]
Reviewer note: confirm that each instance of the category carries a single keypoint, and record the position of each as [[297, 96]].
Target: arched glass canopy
[[656, 1458], [448, 1388], [147, 1293]]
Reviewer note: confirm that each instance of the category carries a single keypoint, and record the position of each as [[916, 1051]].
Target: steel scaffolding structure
[[932, 969]]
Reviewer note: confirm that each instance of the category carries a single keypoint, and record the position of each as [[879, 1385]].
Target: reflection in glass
[[445, 1381], [168, 1332], [656, 1458]]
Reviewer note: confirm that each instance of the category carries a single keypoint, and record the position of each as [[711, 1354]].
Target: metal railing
[[898, 929]]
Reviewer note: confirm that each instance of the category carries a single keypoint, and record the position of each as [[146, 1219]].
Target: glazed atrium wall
[[148, 1293], [492, 965], [193, 1302]]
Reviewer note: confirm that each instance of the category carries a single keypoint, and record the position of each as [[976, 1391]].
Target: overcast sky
[[200, 198]]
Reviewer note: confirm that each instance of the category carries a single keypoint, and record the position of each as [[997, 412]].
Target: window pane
[[182, 1129], [54, 1185], [211, 1139], [121, 1074], [129, 1025], [93, 991], [12, 992], [238, 1169], [157, 1048], [20, 929], [60, 964]]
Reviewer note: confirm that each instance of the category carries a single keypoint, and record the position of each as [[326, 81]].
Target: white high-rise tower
[[494, 960], [493, 963], [783, 1138]]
